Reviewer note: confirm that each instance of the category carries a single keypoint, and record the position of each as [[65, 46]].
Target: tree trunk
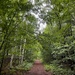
[[4, 38], [11, 61], [2, 59], [22, 56]]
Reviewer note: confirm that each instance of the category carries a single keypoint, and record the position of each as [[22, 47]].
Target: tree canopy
[[38, 29]]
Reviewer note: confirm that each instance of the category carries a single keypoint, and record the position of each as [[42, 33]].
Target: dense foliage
[[22, 41], [59, 36]]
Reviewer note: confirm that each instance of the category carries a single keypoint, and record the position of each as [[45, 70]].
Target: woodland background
[[22, 41]]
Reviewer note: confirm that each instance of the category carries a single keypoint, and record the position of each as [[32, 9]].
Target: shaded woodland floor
[[38, 69]]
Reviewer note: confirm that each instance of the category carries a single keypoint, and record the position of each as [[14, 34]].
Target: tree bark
[[11, 61], [20, 54], [2, 59]]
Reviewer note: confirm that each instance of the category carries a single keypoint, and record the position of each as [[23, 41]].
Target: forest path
[[38, 69]]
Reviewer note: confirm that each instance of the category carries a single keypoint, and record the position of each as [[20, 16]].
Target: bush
[[25, 66], [56, 70]]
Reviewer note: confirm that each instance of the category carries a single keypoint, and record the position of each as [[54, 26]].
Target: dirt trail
[[38, 69]]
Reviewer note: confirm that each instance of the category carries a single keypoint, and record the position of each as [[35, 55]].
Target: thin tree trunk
[[3, 42], [11, 61], [2, 59], [22, 56]]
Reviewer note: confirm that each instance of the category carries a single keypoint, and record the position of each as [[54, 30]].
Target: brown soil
[[38, 69]]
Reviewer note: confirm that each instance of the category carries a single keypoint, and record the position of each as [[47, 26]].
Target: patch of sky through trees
[[40, 9]]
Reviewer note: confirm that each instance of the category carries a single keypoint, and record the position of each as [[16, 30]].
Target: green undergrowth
[[25, 66], [56, 70]]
